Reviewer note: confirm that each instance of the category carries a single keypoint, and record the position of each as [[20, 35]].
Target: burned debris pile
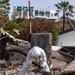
[[63, 61]]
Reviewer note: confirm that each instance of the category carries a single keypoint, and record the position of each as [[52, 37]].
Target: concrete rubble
[[13, 70]]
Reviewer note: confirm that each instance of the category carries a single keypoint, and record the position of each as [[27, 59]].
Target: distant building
[[23, 12]]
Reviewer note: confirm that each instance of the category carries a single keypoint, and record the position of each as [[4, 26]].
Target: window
[[55, 14], [47, 13], [36, 12], [19, 8], [24, 13], [41, 13], [51, 14], [25, 8]]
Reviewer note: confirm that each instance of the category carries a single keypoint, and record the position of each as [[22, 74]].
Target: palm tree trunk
[[63, 21]]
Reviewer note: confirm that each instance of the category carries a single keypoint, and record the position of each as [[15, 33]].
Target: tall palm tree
[[67, 10]]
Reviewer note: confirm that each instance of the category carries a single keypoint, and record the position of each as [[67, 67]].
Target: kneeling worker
[[36, 56]]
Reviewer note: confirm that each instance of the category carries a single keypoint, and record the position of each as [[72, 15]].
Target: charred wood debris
[[63, 63]]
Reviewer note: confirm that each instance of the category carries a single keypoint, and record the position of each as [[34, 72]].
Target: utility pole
[[0, 46], [30, 17]]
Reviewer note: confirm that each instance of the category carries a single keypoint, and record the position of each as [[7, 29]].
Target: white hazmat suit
[[36, 54]]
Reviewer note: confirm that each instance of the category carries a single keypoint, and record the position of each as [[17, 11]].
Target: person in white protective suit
[[36, 56]]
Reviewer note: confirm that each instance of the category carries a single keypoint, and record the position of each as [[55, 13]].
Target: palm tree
[[4, 6], [67, 10]]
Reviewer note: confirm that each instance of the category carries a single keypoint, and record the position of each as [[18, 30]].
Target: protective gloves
[[34, 63], [38, 65]]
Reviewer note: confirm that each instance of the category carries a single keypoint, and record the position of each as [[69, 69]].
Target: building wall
[[67, 39]]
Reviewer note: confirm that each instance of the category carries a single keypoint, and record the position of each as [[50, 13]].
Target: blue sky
[[37, 3]]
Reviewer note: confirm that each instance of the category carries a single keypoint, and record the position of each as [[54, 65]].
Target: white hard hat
[[35, 51]]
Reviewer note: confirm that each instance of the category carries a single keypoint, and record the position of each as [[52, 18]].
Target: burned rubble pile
[[63, 61], [14, 69], [8, 70], [63, 64]]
